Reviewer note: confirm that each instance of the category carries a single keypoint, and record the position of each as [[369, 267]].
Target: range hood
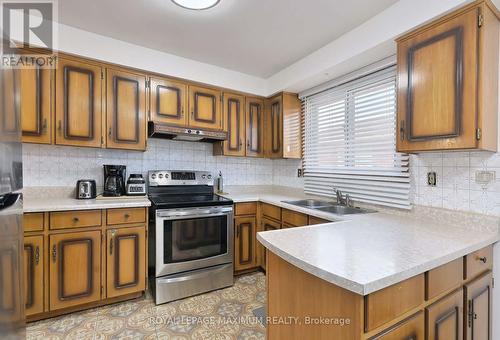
[[159, 130]]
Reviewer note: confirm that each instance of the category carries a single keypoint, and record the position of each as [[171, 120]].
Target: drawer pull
[[126, 216], [76, 220], [37, 255], [483, 259], [54, 253]]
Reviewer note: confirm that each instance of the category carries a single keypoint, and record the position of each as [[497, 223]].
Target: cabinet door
[[255, 127], [9, 122], [74, 269], [78, 103], [233, 107], [126, 261], [266, 224], [292, 137], [168, 102], [126, 110], [445, 317], [11, 299], [35, 104], [33, 274], [478, 314], [409, 329], [437, 90], [274, 143], [244, 247], [204, 107]]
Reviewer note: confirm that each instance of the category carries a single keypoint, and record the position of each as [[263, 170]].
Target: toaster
[[86, 189]]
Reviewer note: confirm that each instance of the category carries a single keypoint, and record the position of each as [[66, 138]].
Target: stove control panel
[[179, 177]]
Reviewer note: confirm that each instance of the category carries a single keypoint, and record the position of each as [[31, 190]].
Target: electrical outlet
[[432, 178], [485, 177], [299, 173]]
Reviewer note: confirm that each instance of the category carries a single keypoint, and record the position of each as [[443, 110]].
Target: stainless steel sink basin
[[329, 207], [310, 203], [345, 210]]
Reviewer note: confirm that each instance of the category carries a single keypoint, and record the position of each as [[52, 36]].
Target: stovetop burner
[[188, 200], [182, 189]]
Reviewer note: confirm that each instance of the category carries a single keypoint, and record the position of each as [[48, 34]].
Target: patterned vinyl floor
[[224, 314]]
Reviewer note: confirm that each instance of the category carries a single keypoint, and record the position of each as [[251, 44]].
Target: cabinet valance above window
[[350, 142]]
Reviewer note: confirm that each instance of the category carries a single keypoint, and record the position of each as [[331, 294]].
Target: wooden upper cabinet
[[292, 132], [233, 108], [126, 261], [448, 83], [78, 103], [9, 122], [254, 127], [74, 268], [35, 104], [125, 110], [274, 127], [205, 108], [168, 101], [33, 274], [478, 297]]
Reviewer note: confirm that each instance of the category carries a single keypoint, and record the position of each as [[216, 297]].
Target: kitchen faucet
[[347, 201]]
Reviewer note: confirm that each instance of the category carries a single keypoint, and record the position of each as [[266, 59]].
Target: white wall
[[87, 44]]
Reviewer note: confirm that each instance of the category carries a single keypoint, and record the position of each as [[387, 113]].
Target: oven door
[[193, 238]]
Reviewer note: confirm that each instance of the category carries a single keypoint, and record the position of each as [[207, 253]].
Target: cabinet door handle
[[483, 259], [44, 125], [182, 112], [402, 130], [248, 143], [192, 114], [37, 255], [59, 126], [109, 132], [111, 246], [54, 253], [237, 231]]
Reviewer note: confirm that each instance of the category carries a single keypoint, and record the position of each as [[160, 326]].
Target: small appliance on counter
[[114, 180], [136, 185], [86, 189]]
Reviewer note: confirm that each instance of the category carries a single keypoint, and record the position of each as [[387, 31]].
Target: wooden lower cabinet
[[478, 294], [74, 268], [33, 274], [266, 225], [244, 243], [444, 318], [409, 329], [125, 261]]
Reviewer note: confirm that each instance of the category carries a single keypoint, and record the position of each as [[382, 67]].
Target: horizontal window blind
[[350, 142]]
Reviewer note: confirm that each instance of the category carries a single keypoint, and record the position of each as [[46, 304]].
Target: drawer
[[271, 211], [122, 216], [293, 219], [75, 219], [411, 328], [245, 208], [443, 279], [316, 220], [33, 221], [478, 262], [389, 303]]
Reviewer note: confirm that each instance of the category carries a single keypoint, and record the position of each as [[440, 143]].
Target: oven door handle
[[197, 275], [193, 213]]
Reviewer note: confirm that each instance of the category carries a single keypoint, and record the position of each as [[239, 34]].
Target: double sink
[[329, 207]]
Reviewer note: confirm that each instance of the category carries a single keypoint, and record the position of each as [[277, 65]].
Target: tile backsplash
[[49, 165], [456, 187]]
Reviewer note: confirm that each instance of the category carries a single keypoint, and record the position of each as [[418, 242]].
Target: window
[[350, 142]]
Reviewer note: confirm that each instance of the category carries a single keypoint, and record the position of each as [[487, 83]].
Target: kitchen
[[343, 187]]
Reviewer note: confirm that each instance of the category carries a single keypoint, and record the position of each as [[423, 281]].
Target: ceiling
[[256, 37]]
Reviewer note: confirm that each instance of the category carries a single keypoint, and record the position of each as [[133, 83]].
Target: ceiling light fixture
[[196, 4]]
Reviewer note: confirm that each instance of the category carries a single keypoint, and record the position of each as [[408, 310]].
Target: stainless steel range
[[191, 233]]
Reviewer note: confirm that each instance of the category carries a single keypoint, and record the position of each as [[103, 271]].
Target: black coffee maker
[[114, 180]]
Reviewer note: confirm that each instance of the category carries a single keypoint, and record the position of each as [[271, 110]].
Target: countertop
[[60, 199], [364, 253]]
